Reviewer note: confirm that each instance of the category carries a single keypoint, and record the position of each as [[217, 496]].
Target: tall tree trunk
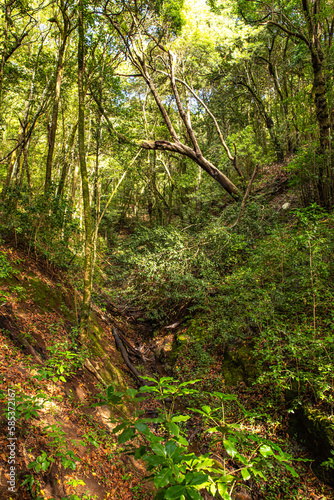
[[320, 99], [9, 176], [54, 119], [3, 55], [321, 107], [65, 168], [88, 265], [25, 166]]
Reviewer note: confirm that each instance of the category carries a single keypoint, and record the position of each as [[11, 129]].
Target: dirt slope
[[56, 421]]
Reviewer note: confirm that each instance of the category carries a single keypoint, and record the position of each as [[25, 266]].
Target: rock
[[286, 206], [239, 366]]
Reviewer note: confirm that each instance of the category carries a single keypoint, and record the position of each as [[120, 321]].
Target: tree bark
[[88, 264], [54, 120], [176, 147], [65, 169], [205, 164], [320, 99]]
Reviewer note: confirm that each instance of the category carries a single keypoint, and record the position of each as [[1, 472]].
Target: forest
[[166, 249]]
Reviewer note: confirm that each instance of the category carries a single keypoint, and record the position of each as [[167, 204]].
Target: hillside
[[166, 250], [54, 392], [57, 384]]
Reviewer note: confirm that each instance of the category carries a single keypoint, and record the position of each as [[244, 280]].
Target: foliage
[[285, 274], [6, 268], [26, 407], [63, 362], [170, 267], [254, 78], [6, 271], [171, 13], [60, 451], [33, 486], [44, 223], [285, 304], [178, 473]]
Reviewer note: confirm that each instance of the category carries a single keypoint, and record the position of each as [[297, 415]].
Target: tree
[[65, 26], [312, 24], [146, 51], [16, 24]]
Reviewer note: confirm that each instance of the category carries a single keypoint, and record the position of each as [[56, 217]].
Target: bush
[[45, 223]]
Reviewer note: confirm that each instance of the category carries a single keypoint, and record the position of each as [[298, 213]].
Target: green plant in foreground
[[33, 486], [179, 474], [60, 451], [329, 464], [92, 438], [26, 407], [62, 362]]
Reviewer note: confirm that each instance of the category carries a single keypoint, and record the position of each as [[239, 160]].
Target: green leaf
[[175, 492], [266, 451], [173, 429], [230, 448], [115, 399], [222, 428], [110, 391], [225, 397], [222, 490], [149, 388], [245, 474], [163, 478], [140, 452], [160, 495], [196, 478], [189, 382], [257, 472], [132, 392], [149, 378], [164, 379], [45, 465], [126, 435], [120, 427], [182, 440], [171, 446], [154, 460], [193, 494], [142, 427], [159, 449], [227, 478], [291, 470], [180, 418]]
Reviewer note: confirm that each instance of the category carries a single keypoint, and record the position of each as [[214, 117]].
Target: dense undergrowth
[[264, 286], [268, 281], [45, 225]]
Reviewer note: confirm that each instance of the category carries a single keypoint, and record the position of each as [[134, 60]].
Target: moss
[[239, 366], [108, 372], [47, 297], [182, 339], [95, 326]]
